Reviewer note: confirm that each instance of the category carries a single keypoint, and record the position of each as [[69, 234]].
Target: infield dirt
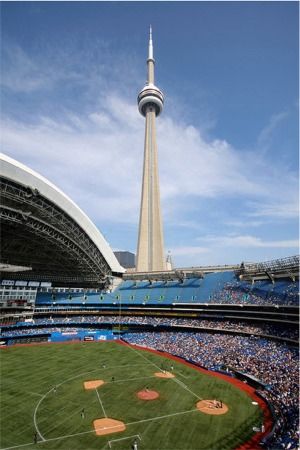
[[212, 407]]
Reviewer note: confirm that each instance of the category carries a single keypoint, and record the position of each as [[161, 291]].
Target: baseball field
[[103, 395]]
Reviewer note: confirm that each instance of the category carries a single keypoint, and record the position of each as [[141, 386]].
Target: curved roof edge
[[16, 171]]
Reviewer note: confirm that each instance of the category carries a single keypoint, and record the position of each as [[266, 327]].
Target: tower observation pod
[[150, 251]]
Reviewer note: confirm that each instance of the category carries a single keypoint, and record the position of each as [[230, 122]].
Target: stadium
[[94, 356], [210, 334]]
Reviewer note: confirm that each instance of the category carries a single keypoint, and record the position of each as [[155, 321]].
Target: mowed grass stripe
[[68, 366]]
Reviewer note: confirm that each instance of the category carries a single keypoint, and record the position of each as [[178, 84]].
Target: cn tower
[[150, 251]]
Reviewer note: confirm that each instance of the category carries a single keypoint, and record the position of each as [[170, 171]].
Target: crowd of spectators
[[275, 364], [272, 362], [235, 292], [229, 325], [36, 331], [262, 292], [217, 324]]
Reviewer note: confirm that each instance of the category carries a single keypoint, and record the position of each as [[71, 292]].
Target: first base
[[164, 375], [93, 384]]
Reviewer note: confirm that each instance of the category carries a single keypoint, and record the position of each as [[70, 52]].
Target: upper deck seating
[[220, 287]]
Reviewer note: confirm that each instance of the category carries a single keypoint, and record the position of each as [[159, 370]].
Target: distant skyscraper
[[150, 251], [126, 259]]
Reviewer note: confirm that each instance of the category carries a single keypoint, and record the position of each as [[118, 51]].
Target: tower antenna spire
[[150, 51]]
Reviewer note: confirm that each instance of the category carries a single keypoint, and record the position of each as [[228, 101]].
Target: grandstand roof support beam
[[270, 276]]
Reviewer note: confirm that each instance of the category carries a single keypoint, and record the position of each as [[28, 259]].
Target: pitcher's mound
[[212, 407], [93, 384], [164, 375], [147, 395], [108, 426]]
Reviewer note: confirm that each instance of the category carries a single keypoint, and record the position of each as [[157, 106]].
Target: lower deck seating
[[275, 364]]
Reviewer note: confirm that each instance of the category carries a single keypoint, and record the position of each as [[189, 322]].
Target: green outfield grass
[[28, 375]]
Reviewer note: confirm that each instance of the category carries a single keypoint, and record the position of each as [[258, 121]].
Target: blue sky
[[227, 138]]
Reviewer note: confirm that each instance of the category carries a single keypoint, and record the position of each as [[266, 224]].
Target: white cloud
[[193, 166], [248, 241], [266, 135], [246, 223], [21, 74], [96, 166], [99, 157], [286, 209], [188, 250], [231, 249], [24, 74], [80, 63], [95, 154]]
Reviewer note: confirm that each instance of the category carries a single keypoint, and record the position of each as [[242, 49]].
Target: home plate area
[[108, 426]]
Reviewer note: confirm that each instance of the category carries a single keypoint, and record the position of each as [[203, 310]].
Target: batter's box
[[110, 443]]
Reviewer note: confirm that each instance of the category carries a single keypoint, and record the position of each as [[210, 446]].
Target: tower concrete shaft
[[150, 251]]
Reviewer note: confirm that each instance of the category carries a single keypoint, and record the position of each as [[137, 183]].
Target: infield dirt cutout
[[147, 395], [164, 375], [108, 426], [93, 384], [212, 407]]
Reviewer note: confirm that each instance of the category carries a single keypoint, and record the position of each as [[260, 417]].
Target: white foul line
[[180, 383], [186, 388], [181, 374], [122, 439], [101, 402]]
